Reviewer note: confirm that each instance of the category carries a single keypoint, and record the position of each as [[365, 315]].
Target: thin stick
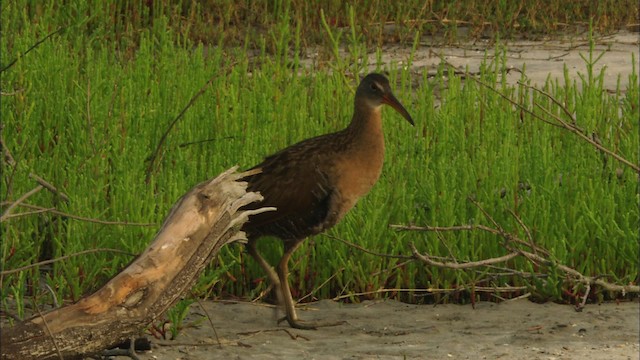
[[40, 209], [554, 100], [29, 49], [390, 269], [466, 265], [322, 285], [152, 158], [444, 228], [46, 326], [562, 124], [17, 202], [49, 187], [366, 250], [574, 129], [533, 257], [92, 140], [433, 291], [27, 213], [584, 298], [515, 103], [525, 228], [466, 228], [499, 228], [6, 153], [624, 289], [206, 313], [51, 261]]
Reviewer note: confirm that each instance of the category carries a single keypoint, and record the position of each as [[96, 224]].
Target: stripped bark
[[201, 222]]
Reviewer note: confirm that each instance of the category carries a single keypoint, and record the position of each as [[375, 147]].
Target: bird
[[315, 182]]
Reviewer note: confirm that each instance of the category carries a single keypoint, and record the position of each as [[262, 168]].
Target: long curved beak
[[391, 100]]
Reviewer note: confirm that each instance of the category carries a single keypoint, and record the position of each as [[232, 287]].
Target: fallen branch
[[458, 266], [510, 238], [586, 280], [202, 221]]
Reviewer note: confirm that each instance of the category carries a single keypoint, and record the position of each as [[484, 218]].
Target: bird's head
[[374, 90]]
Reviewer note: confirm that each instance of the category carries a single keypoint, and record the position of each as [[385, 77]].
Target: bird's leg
[[289, 304], [283, 274], [271, 273]]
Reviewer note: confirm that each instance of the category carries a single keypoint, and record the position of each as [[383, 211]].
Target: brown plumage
[[314, 183]]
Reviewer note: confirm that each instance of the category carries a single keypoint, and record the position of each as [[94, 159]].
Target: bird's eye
[[374, 87]]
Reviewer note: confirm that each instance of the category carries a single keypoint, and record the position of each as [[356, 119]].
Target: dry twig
[[465, 265], [152, 158], [39, 209], [49, 187], [571, 127], [367, 251], [533, 255], [51, 261], [13, 205]]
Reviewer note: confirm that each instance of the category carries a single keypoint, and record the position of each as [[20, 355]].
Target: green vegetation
[[86, 108]]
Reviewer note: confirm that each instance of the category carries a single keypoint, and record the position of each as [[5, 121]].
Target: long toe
[[309, 325], [302, 325]]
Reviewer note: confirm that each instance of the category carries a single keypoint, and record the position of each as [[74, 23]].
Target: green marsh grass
[[85, 113]]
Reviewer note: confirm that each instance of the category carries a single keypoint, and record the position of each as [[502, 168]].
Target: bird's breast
[[358, 171]]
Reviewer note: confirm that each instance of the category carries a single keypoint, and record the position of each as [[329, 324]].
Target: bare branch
[[49, 333], [49, 187], [587, 280], [24, 197], [466, 265], [152, 158], [29, 49], [367, 250], [321, 285], [39, 209], [562, 124], [488, 289], [511, 238], [525, 228], [51, 261], [444, 228], [27, 213], [555, 101], [6, 153]]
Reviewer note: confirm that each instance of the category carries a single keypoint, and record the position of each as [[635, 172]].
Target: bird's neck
[[361, 156], [365, 129]]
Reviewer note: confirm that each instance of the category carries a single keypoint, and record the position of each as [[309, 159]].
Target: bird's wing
[[295, 182]]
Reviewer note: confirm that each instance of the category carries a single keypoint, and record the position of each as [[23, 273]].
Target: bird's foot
[[308, 325]]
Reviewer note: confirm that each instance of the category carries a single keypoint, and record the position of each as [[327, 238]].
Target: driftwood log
[[201, 222]]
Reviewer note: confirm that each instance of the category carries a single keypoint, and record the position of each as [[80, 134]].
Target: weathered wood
[[200, 223]]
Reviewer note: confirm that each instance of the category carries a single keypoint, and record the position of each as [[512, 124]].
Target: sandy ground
[[538, 59], [389, 329], [542, 59]]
